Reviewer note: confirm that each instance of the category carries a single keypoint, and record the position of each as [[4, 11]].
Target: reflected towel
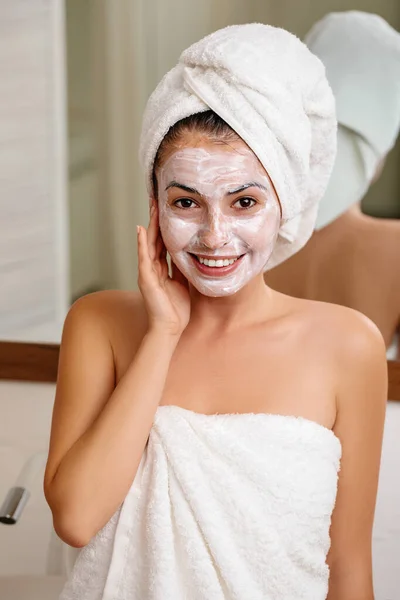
[[361, 54]]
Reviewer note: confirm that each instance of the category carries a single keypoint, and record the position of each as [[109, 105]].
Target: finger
[[152, 232], [160, 247], [161, 262], [144, 261]]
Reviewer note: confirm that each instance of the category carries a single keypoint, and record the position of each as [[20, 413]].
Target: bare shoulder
[[113, 310], [348, 346], [115, 318], [343, 342], [109, 303], [89, 362], [356, 340], [343, 331], [361, 366], [355, 349]]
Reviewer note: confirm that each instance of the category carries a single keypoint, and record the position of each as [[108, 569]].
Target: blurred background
[[75, 77]]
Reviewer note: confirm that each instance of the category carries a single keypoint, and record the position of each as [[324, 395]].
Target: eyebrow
[[185, 188], [191, 190], [246, 186]]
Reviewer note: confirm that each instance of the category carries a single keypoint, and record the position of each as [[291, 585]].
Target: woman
[[168, 460], [352, 259]]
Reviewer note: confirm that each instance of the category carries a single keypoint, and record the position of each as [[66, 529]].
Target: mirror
[[87, 168], [75, 79]]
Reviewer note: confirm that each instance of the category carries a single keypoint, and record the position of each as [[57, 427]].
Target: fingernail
[[138, 228]]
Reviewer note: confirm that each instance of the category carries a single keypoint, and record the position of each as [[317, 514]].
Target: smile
[[216, 262], [216, 266]]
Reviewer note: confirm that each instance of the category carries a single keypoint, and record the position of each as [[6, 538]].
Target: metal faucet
[[18, 496]]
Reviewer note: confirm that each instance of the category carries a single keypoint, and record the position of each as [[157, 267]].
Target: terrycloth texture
[[272, 91], [361, 54], [223, 507]]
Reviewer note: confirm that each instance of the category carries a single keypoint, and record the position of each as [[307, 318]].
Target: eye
[[245, 203], [184, 203]]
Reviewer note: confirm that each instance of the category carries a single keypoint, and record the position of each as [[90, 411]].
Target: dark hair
[[207, 122]]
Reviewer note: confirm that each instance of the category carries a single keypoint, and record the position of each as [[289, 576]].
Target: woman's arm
[[98, 432], [98, 435], [361, 405]]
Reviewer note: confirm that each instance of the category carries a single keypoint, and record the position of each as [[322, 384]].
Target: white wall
[[25, 410], [33, 240]]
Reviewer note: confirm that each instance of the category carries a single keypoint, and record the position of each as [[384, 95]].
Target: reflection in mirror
[[73, 193], [352, 258]]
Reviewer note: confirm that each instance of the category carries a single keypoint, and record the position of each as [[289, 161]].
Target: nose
[[215, 234]]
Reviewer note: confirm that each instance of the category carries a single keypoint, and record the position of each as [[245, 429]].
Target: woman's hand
[[166, 298]]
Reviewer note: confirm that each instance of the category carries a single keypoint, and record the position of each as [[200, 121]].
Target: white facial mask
[[215, 223]]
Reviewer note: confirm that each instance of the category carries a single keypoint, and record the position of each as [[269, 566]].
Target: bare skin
[[123, 354], [354, 261]]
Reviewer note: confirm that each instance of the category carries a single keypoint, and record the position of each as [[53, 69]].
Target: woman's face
[[219, 215]]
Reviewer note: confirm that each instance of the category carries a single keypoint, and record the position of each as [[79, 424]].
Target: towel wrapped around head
[[267, 85], [361, 54]]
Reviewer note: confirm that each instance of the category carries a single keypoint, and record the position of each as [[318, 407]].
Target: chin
[[216, 292]]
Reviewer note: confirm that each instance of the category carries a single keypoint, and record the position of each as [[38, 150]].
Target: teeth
[[216, 263]]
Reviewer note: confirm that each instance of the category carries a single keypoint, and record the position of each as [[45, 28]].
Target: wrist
[[163, 334]]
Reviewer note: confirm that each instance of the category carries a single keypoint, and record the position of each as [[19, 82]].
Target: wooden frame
[[394, 379], [38, 362], [29, 361]]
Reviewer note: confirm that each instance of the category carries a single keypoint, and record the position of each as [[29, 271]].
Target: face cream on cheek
[[218, 248], [177, 233]]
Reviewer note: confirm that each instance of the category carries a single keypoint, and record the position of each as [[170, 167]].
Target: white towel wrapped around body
[[223, 507], [266, 84]]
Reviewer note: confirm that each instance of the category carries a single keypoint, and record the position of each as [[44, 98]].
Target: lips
[[216, 261], [216, 266]]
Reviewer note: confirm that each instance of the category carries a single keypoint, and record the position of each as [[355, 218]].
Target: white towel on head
[[266, 84], [361, 54]]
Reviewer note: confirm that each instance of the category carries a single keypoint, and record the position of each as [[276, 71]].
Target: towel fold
[[266, 84], [223, 507]]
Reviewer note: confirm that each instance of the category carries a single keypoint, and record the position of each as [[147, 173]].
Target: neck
[[227, 313]]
